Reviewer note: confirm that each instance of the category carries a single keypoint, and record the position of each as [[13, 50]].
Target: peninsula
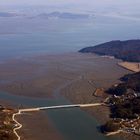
[[126, 50], [124, 97]]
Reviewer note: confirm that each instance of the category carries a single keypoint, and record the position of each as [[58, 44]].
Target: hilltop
[[62, 15], [126, 50]]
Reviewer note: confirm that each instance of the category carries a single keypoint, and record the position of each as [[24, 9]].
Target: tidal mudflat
[[59, 79], [40, 76]]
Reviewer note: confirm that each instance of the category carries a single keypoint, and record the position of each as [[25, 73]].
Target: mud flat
[[39, 76], [76, 75]]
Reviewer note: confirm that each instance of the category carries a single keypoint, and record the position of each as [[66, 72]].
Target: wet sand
[[78, 75], [37, 126]]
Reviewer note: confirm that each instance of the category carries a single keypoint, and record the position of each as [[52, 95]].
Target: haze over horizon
[[119, 7], [57, 2], [32, 26]]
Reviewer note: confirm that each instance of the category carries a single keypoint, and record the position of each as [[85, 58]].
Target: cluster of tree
[[6, 125], [119, 90], [131, 81], [126, 50], [129, 109], [7, 135], [124, 107]]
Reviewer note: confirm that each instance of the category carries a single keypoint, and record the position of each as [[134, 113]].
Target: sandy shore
[[135, 67], [78, 74]]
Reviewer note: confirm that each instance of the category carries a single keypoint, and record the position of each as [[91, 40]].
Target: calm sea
[[23, 37]]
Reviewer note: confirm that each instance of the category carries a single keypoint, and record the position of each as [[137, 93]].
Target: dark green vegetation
[[126, 105], [125, 50], [6, 124], [129, 108], [131, 81], [125, 115]]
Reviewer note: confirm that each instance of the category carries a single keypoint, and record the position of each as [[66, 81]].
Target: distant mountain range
[[126, 50], [63, 15], [55, 15]]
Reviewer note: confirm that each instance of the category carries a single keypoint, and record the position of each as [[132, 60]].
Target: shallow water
[[73, 124], [59, 36]]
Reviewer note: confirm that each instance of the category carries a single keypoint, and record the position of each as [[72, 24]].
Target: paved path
[[18, 125], [114, 133]]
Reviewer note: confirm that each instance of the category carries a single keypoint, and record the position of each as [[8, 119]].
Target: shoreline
[[20, 111], [53, 71], [132, 66], [56, 74]]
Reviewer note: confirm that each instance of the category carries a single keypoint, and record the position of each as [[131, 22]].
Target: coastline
[[44, 127], [84, 72], [36, 75]]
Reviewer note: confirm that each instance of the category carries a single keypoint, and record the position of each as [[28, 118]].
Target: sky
[[77, 2], [130, 7]]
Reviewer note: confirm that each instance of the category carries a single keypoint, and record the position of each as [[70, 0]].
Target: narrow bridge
[[45, 108], [60, 106]]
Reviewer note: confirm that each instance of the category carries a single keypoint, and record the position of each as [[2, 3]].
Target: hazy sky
[[118, 6], [87, 2]]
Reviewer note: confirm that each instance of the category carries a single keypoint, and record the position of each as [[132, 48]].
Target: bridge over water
[[19, 126], [61, 106]]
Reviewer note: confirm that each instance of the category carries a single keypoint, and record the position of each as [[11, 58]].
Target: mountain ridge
[[128, 50], [63, 15]]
